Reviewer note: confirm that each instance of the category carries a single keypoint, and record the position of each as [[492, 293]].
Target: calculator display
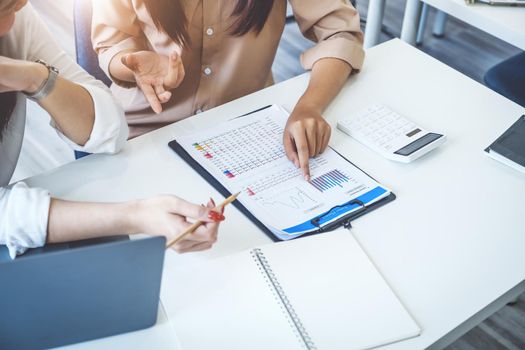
[[418, 144]]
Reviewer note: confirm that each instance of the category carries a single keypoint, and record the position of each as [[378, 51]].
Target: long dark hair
[[168, 16], [7, 106]]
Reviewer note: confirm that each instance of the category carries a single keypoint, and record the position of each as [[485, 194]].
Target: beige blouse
[[24, 211], [219, 67]]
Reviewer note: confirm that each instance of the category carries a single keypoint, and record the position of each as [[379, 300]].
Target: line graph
[[294, 198]]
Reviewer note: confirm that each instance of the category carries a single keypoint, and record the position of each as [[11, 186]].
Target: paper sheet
[[331, 288], [246, 154]]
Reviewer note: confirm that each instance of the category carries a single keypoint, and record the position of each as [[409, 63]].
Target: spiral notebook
[[320, 292], [246, 154]]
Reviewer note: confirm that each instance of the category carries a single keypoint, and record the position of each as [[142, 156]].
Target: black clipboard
[[344, 221]]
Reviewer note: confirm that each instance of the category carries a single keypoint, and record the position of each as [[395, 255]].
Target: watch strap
[[48, 84]]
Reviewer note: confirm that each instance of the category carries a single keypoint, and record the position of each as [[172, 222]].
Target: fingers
[[312, 134], [129, 61], [207, 232], [184, 208], [177, 61], [289, 148], [301, 144], [306, 135], [296, 147], [152, 97], [187, 246], [325, 139], [175, 71], [203, 238], [198, 212], [161, 93], [318, 135], [151, 86]]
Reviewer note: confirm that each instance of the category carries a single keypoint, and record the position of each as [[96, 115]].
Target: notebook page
[[341, 299], [246, 154], [226, 304]]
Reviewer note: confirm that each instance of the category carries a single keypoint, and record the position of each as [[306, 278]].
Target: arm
[[69, 104], [84, 112], [306, 132], [334, 25], [29, 218], [165, 215], [154, 74], [126, 57], [326, 80]]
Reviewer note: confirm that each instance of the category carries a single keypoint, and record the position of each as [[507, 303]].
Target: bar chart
[[331, 179]]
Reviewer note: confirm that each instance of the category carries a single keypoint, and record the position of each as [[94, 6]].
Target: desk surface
[[450, 245], [504, 22]]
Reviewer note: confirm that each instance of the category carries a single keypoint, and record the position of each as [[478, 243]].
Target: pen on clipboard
[[195, 225]]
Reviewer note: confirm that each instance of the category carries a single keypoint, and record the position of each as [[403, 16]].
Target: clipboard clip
[[345, 220]]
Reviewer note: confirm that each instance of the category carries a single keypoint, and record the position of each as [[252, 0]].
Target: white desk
[[503, 22], [452, 244]]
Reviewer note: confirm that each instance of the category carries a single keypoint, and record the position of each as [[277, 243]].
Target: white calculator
[[390, 134]]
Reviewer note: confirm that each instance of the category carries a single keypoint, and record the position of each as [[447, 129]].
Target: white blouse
[[24, 211]]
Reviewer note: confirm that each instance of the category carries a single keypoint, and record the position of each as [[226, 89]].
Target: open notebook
[[320, 292], [246, 154]]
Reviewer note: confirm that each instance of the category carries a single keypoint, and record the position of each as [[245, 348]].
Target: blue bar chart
[[331, 179]]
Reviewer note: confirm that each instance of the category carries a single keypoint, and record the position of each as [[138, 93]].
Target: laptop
[[68, 293]]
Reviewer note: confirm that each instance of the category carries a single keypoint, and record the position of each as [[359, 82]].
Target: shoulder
[[26, 19]]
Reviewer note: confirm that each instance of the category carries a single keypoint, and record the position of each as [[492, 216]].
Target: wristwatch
[[47, 85]]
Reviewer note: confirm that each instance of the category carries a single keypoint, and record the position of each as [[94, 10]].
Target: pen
[[195, 225]]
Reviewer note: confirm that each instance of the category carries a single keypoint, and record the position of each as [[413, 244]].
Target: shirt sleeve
[[110, 129], [115, 28], [24, 216], [335, 26]]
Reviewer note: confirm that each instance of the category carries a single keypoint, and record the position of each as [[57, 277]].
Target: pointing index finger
[[301, 144]]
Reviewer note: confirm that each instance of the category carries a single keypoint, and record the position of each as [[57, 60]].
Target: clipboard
[[344, 221]]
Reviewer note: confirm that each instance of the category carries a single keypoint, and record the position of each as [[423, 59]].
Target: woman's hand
[[306, 135], [18, 75], [155, 75], [170, 216], [164, 215]]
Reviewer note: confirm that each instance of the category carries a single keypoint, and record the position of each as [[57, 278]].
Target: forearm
[[70, 221], [326, 80], [72, 109]]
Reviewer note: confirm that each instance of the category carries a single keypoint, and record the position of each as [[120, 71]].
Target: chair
[[508, 78], [86, 57]]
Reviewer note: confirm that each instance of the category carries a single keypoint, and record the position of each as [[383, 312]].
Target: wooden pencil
[[195, 225]]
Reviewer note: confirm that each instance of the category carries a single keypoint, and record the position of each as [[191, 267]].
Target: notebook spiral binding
[[273, 283]]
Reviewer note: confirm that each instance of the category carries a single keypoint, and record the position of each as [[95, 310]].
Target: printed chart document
[[319, 292], [246, 154]]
